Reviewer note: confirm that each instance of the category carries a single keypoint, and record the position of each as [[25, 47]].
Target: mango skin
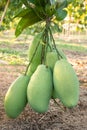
[[33, 66], [36, 42], [37, 57], [39, 90], [52, 57], [16, 97], [54, 94], [66, 83]]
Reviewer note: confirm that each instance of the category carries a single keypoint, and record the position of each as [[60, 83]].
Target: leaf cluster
[[78, 12], [35, 11]]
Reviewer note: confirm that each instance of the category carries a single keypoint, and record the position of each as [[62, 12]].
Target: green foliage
[[28, 18], [77, 9], [13, 8], [60, 14], [43, 11], [78, 12], [2, 4]]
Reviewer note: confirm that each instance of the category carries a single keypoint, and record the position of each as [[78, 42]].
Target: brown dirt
[[56, 118]]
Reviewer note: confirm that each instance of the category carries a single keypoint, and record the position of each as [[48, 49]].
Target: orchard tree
[[77, 13]]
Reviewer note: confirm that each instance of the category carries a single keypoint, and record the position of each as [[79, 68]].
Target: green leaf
[[52, 2], [56, 28], [22, 13], [25, 2], [62, 4], [32, 1], [50, 10], [28, 20], [38, 2], [60, 14], [69, 1]]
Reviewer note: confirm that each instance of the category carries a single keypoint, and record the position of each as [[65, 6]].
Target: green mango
[[54, 94], [52, 57], [16, 97], [33, 66], [35, 46], [32, 48], [66, 83], [40, 88]]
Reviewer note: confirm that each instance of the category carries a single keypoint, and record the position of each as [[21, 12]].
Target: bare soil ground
[[56, 118]]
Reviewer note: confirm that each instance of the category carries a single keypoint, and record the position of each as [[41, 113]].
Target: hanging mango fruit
[[49, 75]]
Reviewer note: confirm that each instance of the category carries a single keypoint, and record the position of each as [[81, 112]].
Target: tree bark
[[3, 15]]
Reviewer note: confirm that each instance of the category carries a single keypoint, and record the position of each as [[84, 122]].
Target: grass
[[15, 51], [13, 56], [9, 51], [13, 59], [74, 47]]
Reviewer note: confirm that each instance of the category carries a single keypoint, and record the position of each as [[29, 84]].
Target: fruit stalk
[[45, 41], [32, 57], [59, 56]]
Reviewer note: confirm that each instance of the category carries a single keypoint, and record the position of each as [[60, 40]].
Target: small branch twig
[[3, 15], [58, 105], [59, 56]]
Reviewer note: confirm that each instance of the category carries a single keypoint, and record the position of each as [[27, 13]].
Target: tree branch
[[3, 15]]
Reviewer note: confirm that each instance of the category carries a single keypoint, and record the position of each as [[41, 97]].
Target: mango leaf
[[27, 20], [25, 2], [69, 1], [62, 4], [52, 2], [56, 28], [36, 5], [38, 2], [32, 1], [23, 12], [60, 14]]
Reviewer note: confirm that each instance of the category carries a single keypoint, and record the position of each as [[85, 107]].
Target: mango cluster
[[55, 78]]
